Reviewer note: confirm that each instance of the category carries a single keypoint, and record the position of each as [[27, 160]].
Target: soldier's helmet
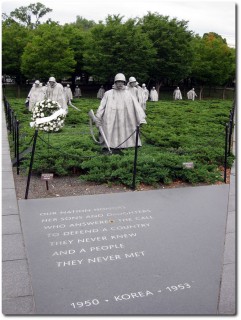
[[120, 77]]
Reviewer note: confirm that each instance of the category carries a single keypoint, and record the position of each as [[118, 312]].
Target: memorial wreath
[[48, 115]]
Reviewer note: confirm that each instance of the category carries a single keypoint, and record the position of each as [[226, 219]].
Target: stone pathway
[[16, 283]]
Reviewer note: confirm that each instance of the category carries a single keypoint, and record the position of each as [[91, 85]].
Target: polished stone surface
[[152, 253]]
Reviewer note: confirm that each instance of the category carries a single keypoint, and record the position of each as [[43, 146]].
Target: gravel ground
[[60, 187], [74, 186]]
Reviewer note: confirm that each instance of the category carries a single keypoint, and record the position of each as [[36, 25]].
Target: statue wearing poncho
[[35, 95], [191, 95], [119, 114], [55, 92]]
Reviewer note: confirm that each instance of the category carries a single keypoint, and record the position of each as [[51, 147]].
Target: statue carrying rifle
[[70, 104], [95, 120], [119, 114]]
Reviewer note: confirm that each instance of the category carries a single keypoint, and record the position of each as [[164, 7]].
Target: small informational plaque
[[47, 176], [188, 165], [135, 253]]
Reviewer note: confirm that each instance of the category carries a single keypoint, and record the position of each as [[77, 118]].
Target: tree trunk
[[224, 89], [158, 86]]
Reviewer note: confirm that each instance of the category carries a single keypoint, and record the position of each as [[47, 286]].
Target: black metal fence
[[229, 128], [13, 129]]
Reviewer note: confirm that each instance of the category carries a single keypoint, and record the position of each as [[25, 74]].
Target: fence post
[[15, 140], [17, 145], [13, 124], [226, 152], [230, 130], [5, 104], [135, 159], [31, 163], [9, 118]]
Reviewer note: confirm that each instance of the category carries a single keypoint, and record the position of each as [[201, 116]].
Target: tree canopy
[[172, 42], [14, 40], [153, 48], [213, 63], [118, 47], [45, 55], [25, 15]]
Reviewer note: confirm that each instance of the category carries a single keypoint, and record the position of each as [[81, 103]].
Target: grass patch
[[176, 132]]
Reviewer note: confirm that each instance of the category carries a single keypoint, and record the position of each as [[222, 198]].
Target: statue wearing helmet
[[120, 77], [136, 91], [177, 95], [131, 86], [119, 114], [35, 95], [68, 94], [55, 92], [52, 79], [77, 92], [101, 92], [153, 94], [145, 93], [191, 95]]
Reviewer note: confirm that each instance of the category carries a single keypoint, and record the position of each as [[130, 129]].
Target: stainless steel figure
[[94, 119]]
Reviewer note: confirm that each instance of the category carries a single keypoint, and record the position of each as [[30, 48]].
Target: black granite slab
[[135, 253]]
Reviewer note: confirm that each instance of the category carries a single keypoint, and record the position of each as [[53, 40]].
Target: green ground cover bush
[[176, 132]]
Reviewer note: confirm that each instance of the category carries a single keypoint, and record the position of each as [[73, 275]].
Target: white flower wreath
[[48, 116]]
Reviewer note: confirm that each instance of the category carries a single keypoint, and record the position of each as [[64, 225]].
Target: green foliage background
[[176, 132], [156, 49]]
